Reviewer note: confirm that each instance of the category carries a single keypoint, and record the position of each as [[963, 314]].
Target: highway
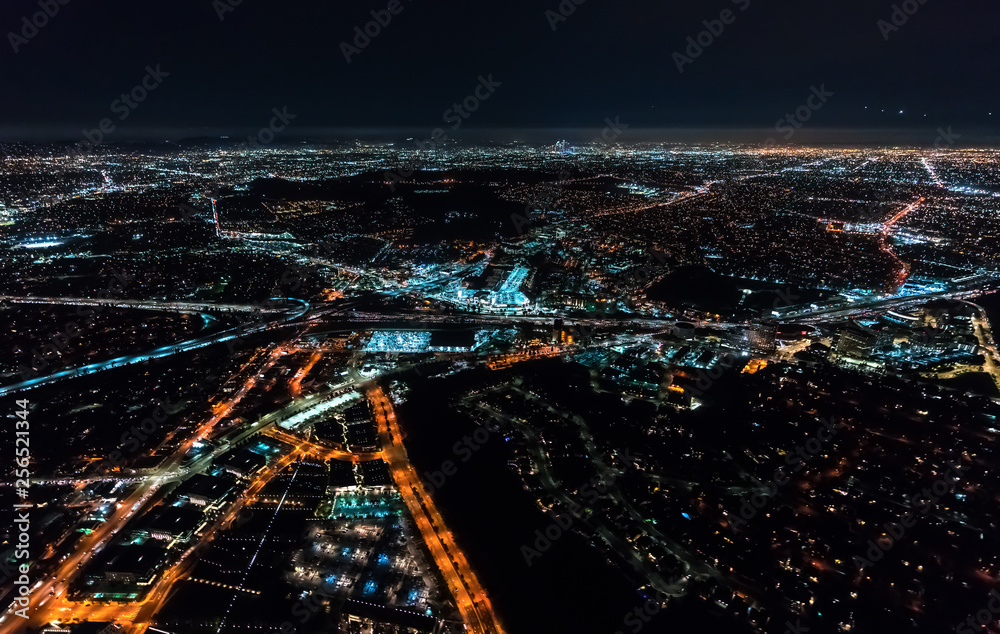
[[470, 597], [862, 308], [322, 450], [137, 615], [469, 594], [56, 606], [158, 596], [46, 607], [143, 304], [462, 582], [984, 333], [158, 353]]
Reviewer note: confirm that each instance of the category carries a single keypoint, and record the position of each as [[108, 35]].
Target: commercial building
[[855, 342], [763, 337]]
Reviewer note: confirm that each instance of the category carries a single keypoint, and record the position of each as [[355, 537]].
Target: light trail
[[295, 386], [902, 270], [934, 176]]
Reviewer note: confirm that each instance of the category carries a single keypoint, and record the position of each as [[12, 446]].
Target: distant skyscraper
[[763, 337]]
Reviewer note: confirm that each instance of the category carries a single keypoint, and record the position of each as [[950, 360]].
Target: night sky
[[605, 59]]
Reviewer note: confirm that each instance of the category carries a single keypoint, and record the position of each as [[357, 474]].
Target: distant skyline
[[405, 137], [227, 64]]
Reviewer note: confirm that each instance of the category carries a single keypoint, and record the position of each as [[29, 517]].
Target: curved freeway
[[165, 351], [144, 304], [861, 308]]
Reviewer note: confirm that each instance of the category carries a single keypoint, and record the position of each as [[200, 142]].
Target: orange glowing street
[[681, 344], [465, 587]]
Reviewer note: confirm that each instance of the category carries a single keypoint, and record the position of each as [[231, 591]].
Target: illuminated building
[[762, 337]]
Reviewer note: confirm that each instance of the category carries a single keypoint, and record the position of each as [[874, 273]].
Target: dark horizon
[[464, 318], [820, 137]]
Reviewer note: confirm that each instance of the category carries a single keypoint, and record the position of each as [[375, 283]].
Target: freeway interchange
[[471, 599], [52, 602]]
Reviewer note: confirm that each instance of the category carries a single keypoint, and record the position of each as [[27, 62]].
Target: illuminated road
[[629, 554], [56, 606], [702, 190], [506, 360], [45, 607], [158, 353], [902, 270], [859, 309], [295, 386], [984, 333], [461, 580], [322, 451], [139, 614], [934, 175], [158, 596], [143, 612], [173, 307]]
